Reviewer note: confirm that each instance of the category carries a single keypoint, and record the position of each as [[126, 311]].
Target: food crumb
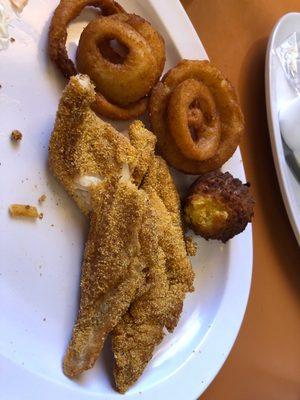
[[21, 210], [191, 246], [42, 198], [41, 215], [52, 224], [12, 40], [44, 319], [16, 136]]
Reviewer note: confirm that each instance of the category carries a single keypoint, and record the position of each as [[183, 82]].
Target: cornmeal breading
[[144, 142], [113, 266], [135, 272], [142, 328], [82, 145]]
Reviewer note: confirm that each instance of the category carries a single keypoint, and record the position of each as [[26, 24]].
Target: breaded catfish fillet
[[84, 150], [97, 166], [119, 248], [141, 329], [136, 271]]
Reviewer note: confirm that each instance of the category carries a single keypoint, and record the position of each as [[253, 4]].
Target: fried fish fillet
[[84, 150], [142, 327], [119, 248], [99, 168], [136, 271]]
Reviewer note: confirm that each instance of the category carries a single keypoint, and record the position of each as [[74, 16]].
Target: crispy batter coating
[[144, 142], [191, 246], [83, 145], [218, 206], [116, 254], [142, 328]]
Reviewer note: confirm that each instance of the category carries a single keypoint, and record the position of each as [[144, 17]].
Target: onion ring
[[122, 83], [66, 11], [227, 106], [203, 120]]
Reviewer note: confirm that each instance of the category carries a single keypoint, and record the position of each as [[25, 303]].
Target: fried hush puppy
[[218, 206]]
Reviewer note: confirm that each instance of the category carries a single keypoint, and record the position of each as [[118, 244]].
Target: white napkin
[[289, 119]]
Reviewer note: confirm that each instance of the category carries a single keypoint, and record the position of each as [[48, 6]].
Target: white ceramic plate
[[278, 93], [40, 261]]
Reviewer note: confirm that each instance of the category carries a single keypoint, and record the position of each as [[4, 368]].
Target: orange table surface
[[265, 361]]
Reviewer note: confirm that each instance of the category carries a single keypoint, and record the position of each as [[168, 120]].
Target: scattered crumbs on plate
[[12, 40], [41, 215], [42, 198], [16, 135]]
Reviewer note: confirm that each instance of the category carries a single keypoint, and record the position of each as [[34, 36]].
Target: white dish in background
[[278, 93], [40, 262]]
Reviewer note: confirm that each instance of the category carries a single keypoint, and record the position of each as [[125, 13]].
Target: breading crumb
[[12, 40], [41, 215], [191, 246], [16, 136], [42, 198]]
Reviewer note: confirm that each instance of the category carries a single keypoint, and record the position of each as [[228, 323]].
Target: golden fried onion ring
[[163, 111], [121, 84], [202, 119], [66, 11]]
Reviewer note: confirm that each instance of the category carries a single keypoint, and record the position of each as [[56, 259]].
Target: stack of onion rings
[[122, 82], [196, 117]]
